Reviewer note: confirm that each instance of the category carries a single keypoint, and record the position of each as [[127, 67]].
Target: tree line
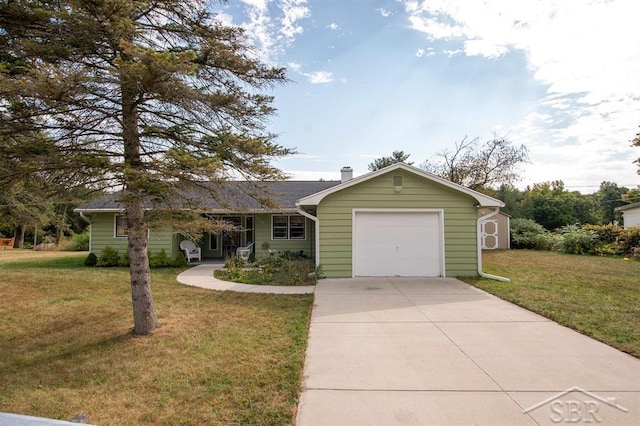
[[492, 168]]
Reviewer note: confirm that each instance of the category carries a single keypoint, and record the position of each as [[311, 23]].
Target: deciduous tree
[[479, 166]]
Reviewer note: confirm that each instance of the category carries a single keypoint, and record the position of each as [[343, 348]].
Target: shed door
[[489, 233], [407, 244]]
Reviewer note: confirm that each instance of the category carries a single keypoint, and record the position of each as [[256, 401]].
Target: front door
[[231, 238]]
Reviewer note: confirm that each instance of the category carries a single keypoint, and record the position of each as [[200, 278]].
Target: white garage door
[[407, 243]]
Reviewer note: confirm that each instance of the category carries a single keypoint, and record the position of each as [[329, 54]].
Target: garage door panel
[[397, 243]]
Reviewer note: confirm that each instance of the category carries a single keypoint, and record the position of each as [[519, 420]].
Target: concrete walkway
[[401, 351], [202, 276]]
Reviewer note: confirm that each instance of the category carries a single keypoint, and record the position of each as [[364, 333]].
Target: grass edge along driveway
[[597, 296], [219, 357]]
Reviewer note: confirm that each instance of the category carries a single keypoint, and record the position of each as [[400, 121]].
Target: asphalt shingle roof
[[228, 196]]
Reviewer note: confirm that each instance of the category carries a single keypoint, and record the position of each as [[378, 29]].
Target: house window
[[213, 240], [280, 227], [121, 230], [288, 227], [296, 227]]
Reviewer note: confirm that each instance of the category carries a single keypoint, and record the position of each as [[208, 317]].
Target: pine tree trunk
[[19, 236], [144, 315], [60, 226]]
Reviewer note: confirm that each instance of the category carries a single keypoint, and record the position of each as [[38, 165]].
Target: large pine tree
[[148, 96]]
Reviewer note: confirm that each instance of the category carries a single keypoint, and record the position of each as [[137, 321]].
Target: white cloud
[[429, 52], [320, 77], [257, 4], [294, 11], [294, 66], [224, 18], [452, 53], [315, 77], [259, 29], [273, 26], [313, 175], [435, 29], [384, 12], [484, 48], [574, 45], [332, 26], [584, 52]]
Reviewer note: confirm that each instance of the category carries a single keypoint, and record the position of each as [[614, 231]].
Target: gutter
[[317, 231], [86, 219], [479, 244]]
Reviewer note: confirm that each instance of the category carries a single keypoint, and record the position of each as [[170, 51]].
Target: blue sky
[[374, 76]]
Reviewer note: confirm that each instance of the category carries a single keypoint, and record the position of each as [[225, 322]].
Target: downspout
[[479, 244], [317, 231]]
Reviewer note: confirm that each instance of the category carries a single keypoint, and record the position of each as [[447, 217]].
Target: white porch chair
[[244, 252], [191, 250]]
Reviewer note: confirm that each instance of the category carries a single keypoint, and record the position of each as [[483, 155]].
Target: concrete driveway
[[406, 351]]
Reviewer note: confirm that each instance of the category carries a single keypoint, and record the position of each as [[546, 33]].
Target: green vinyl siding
[[265, 241], [335, 212], [103, 235]]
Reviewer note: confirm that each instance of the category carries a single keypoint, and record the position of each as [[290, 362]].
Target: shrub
[[180, 261], [613, 240], [577, 240], [125, 260], [527, 234], [160, 260], [109, 257], [270, 264], [295, 272], [630, 239], [91, 260], [81, 241], [235, 262]]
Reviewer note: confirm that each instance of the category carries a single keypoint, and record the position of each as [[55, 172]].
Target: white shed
[[630, 214]]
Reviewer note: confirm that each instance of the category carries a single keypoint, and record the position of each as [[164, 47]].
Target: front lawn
[[597, 296], [219, 357]]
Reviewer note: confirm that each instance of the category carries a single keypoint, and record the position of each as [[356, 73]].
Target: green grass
[[597, 296], [218, 358]]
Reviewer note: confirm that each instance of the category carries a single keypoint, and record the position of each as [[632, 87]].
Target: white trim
[[316, 222], [495, 235], [215, 235], [115, 229], [483, 200], [496, 210], [439, 212], [115, 226]]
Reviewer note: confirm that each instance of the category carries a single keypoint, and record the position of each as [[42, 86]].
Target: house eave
[[210, 211], [627, 207], [483, 200]]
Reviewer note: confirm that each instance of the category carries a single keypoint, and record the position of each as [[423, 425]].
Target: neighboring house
[[396, 221], [630, 214], [495, 232]]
